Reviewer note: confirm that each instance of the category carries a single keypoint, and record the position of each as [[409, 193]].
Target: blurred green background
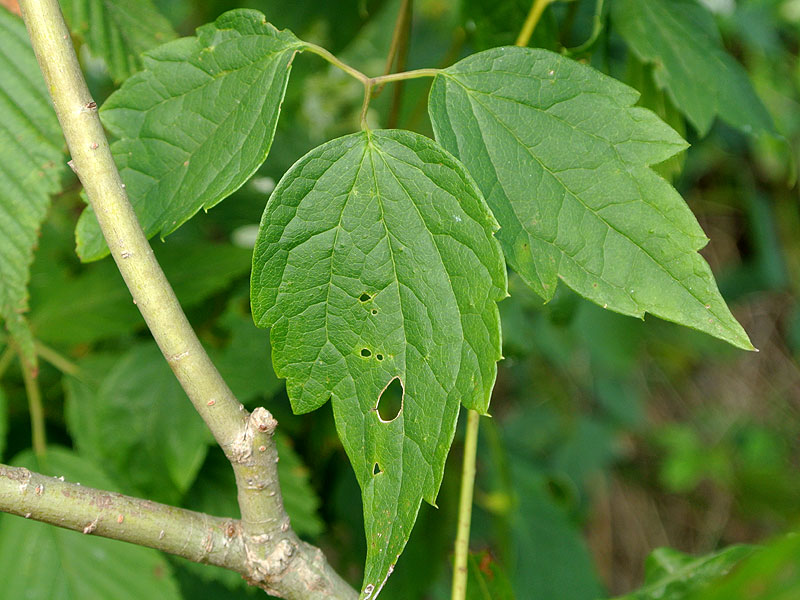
[[610, 436]]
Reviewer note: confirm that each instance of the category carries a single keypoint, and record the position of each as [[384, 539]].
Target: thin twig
[[277, 560], [535, 13], [459, 591], [36, 411], [60, 362], [402, 61]]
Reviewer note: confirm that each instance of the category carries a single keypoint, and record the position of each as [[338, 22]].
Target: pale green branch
[[277, 560]]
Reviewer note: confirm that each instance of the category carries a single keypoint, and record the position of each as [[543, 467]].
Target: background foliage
[[611, 437]]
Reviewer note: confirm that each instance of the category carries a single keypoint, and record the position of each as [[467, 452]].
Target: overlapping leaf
[[196, 123], [42, 562], [681, 40], [31, 161], [563, 158], [375, 261], [131, 414], [118, 31]]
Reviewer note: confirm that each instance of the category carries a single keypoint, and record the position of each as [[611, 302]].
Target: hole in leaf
[[376, 470], [374, 311], [366, 353], [390, 402], [379, 356], [365, 297]]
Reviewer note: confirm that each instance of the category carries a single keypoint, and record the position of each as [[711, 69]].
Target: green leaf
[[118, 31], [31, 163], [682, 41], [131, 414], [43, 562], [375, 262], [672, 575], [97, 305], [196, 123], [563, 157], [487, 579]]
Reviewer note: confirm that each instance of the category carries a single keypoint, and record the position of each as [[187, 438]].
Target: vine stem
[[459, 591], [535, 13], [275, 558]]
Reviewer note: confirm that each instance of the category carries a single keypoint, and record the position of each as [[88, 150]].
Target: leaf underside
[[118, 31], [31, 163], [563, 159], [196, 123], [375, 261], [681, 39]]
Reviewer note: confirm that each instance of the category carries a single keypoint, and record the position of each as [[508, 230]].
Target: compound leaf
[[375, 262], [681, 40], [196, 123], [563, 159], [31, 162], [118, 31], [41, 562]]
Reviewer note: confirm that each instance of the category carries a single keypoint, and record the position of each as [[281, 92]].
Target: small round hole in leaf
[[366, 353], [379, 356], [390, 402], [374, 311], [365, 297]]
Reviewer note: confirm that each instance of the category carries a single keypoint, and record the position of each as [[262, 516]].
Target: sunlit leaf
[[563, 158]]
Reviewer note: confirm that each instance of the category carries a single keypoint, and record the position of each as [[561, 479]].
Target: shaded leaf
[[118, 31], [672, 575], [682, 41], [563, 157], [486, 578], [375, 262], [131, 414], [196, 123], [97, 305], [43, 562], [31, 163]]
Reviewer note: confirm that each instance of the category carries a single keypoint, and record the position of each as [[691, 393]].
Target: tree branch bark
[[276, 559]]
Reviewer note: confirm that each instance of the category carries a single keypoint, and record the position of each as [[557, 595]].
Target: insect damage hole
[[366, 353], [376, 469], [390, 402], [365, 297]]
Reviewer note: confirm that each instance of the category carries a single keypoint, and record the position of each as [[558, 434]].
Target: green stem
[[60, 362], [535, 13], [365, 105], [276, 558], [320, 51], [459, 591], [597, 27], [402, 61], [36, 411], [415, 74], [398, 35]]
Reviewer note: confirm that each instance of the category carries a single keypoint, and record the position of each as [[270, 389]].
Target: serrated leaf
[[131, 414], [673, 575], [43, 562], [31, 162], [682, 41], [486, 578], [118, 31], [196, 123], [375, 261], [563, 158]]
